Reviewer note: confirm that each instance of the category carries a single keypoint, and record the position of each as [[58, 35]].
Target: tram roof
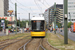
[[37, 18]]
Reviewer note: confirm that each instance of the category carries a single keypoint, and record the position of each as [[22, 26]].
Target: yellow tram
[[37, 27]]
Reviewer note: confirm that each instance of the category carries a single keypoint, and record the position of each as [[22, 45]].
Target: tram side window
[[42, 25], [33, 25]]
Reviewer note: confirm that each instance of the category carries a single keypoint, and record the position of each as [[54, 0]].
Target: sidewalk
[[3, 34]]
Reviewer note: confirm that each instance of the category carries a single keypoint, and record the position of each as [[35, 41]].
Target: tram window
[[33, 25], [34, 21], [42, 25], [38, 21], [37, 25]]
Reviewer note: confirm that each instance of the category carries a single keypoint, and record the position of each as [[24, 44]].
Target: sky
[[34, 7]]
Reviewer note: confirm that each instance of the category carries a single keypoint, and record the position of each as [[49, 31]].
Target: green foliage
[[22, 23], [9, 29], [59, 25], [69, 24], [0, 28]]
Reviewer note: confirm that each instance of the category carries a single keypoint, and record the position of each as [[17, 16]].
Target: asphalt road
[[70, 34]]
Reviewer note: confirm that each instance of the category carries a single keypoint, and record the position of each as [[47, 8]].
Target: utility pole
[[29, 19], [65, 23], [16, 17], [55, 17], [49, 18], [19, 21], [70, 16]]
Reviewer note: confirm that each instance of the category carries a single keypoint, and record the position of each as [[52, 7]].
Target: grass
[[58, 42], [15, 36]]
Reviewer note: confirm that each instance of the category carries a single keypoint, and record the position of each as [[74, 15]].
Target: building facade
[[71, 10], [4, 7], [11, 20], [1, 8], [8, 18], [46, 16], [49, 14]]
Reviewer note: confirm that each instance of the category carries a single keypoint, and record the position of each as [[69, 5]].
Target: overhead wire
[[11, 7], [26, 10], [12, 2], [46, 3], [24, 6], [21, 8], [43, 3], [18, 6], [38, 6]]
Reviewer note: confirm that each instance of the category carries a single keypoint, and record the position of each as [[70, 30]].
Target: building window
[[68, 19], [71, 2], [72, 19], [74, 13]]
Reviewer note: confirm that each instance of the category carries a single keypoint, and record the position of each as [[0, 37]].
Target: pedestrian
[[69, 30], [12, 30], [4, 31], [61, 29], [25, 29], [54, 29], [9, 31], [50, 29]]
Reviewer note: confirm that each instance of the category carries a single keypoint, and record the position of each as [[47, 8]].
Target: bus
[[73, 27]]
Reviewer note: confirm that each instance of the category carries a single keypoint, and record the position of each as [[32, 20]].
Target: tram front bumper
[[37, 33]]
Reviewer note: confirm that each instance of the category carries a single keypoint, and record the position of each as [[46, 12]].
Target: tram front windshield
[[37, 25]]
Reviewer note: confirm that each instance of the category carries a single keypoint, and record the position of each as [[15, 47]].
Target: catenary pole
[[55, 17], [16, 17], [29, 19], [65, 22]]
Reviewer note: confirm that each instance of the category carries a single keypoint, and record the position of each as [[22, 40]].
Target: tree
[[22, 23], [69, 24], [59, 25]]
